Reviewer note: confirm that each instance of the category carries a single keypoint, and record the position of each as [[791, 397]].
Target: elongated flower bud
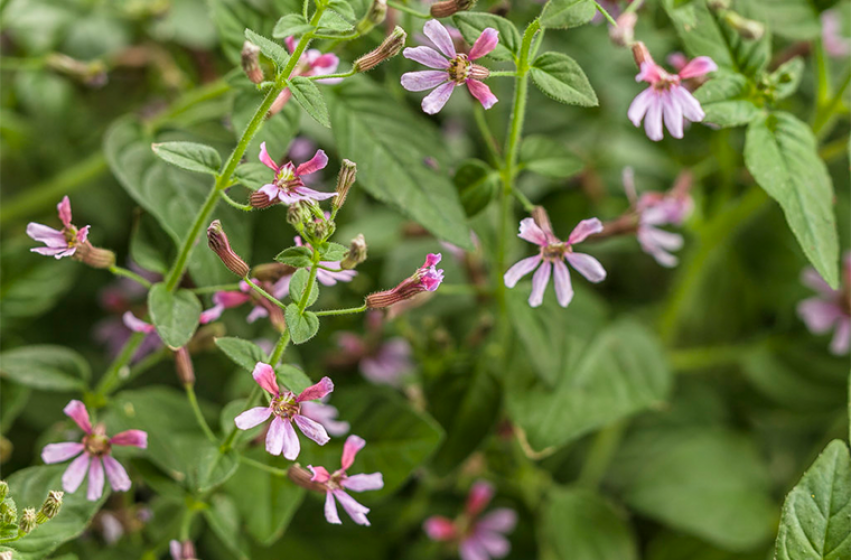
[[50, 507], [345, 180], [746, 28], [356, 253], [375, 15], [4, 490], [641, 54], [251, 62], [28, 521], [93, 256], [260, 201], [218, 242], [450, 7], [183, 366], [390, 47], [302, 477], [426, 279]]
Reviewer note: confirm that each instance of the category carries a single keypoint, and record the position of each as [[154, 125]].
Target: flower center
[[70, 234], [96, 444], [286, 178], [286, 406], [459, 69], [336, 480], [555, 251]]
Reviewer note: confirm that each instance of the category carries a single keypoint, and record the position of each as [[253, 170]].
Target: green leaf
[[399, 439], [564, 14], [367, 124], [176, 444], [29, 488], [343, 8], [707, 481], [782, 155], [549, 158], [189, 155], [293, 378], [725, 100], [298, 283], [224, 519], [265, 502], [333, 252], [46, 368], [787, 77], [30, 287], [816, 519], [580, 525], [310, 99], [253, 175], [243, 353], [275, 52], [150, 246], [622, 371], [175, 315], [298, 257], [302, 327], [558, 76], [793, 19], [477, 184], [471, 25], [291, 25]]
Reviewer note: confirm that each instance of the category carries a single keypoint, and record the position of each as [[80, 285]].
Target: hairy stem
[[199, 416]]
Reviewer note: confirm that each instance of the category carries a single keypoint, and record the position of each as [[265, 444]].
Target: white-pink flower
[[281, 438], [94, 454], [288, 185], [326, 415], [666, 99], [323, 275], [62, 243], [831, 34], [477, 538], [551, 257], [182, 550], [830, 309], [337, 483], [380, 361], [230, 299], [312, 63], [452, 69]]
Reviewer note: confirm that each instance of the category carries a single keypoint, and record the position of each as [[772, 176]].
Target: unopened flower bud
[[271, 272], [218, 242], [28, 521], [251, 62], [746, 28], [298, 214], [92, 73], [317, 229], [450, 7], [183, 366], [479, 72], [302, 477], [624, 33], [375, 15], [641, 54], [356, 253], [4, 490], [260, 200], [93, 256], [345, 180], [390, 47], [426, 279], [50, 507], [8, 513], [718, 4]]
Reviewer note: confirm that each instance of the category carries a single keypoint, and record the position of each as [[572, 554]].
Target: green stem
[[487, 135], [176, 273], [314, 270], [502, 74], [600, 454], [606, 15], [280, 348], [120, 271], [348, 74], [633, 6], [694, 359], [407, 10], [262, 466], [264, 293], [825, 117], [527, 204], [235, 204], [110, 378], [214, 289], [199, 416], [347, 311]]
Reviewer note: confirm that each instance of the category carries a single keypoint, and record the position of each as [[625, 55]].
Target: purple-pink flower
[[94, 454], [427, 278], [452, 69], [182, 550], [312, 63], [830, 309], [230, 299], [329, 277], [57, 243], [286, 409], [551, 257], [381, 362], [337, 483], [477, 538], [666, 99], [326, 415], [831, 34], [288, 185]]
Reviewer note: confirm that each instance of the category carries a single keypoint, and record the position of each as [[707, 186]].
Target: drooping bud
[[28, 521], [356, 253], [50, 507], [93, 256], [450, 7], [641, 54], [345, 180], [375, 15], [426, 279], [218, 242], [390, 47], [271, 272], [183, 366], [746, 28], [251, 62], [624, 33], [302, 477], [4, 490]]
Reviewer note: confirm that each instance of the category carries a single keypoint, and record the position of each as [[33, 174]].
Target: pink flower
[[831, 35], [830, 309], [288, 186], [336, 484], [381, 362], [477, 538], [62, 243], [553, 254], [230, 299], [326, 415], [426, 279], [311, 63], [666, 98], [452, 69], [94, 454], [286, 408], [329, 277], [135, 324], [182, 550]]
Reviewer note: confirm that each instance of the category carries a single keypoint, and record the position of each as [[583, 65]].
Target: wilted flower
[[94, 454], [337, 483], [59, 243], [666, 98], [477, 538], [553, 253], [426, 279], [834, 43], [288, 186], [286, 408], [312, 63], [830, 309], [453, 69]]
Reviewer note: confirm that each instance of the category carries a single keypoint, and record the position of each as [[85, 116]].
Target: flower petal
[[638, 107], [692, 110], [439, 528], [212, 314], [434, 101], [58, 452], [118, 478], [314, 164], [252, 417], [77, 412], [583, 229], [479, 497], [530, 231], [264, 375], [135, 324], [653, 119], [75, 473], [814, 281], [355, 510], [539, 284], [320, 474], [673, 115], [312, 429], [482, 92], [47, 235], [500, 520], [472, 549], [64, 210], [317, 391], [520, 269], [495, 544], [438, 35], [587, 266], [350, 450], [421, 81], [700, 66], [363, 482], [486, 42], [96, 481], [292, 447], [132, 438], [426, 56], [331, 515], [267, 159], [561, 280], [819, 315], [275, 437], [306, 193], [841, 337], [326, 415]]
